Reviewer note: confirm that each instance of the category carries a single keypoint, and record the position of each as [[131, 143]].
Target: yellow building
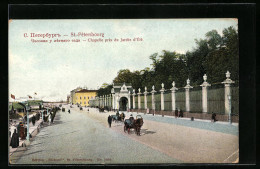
[[83, 96]]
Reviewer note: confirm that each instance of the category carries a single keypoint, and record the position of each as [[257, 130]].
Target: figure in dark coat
[[109, 120], [69, 110], [14, 140], [52, 117], [181, 113], [18, 128], [213, 117], [131, 119], [33, 120], [176, 113]]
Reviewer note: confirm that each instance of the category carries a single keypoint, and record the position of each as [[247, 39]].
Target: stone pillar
[[129, 101], [111, 102], [205, 86], [105, 101], [114, 101], [134, 99], [101, 101], [173, 89], [139, 99], [117, 102], [162, 97], [145, 98], [227, 84], [187, 92], [108, 97], [153, 100], [113, 98]]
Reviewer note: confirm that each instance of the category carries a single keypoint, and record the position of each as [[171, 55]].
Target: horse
[[122, 116], [138, 123], [135, 124]]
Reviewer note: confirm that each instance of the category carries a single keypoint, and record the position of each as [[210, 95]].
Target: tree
[[124, 75], [224, 58]]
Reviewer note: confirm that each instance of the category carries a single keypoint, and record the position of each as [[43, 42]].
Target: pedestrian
[[33, 120], [176, 113], [18, 128], [131, 118], [69, 110], [49, 119], [14, 140], [52, 117], [181, 113], [213, 117], [25, 118], [22, 132], [109, 120]]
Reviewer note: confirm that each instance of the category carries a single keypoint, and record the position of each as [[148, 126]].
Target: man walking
[[109, 120], [176, 113], [33, 120]]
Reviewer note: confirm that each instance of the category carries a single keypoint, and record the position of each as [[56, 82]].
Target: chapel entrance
[[123, 102]]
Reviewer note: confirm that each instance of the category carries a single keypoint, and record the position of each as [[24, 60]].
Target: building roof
[[16, 105], [85, 91], [35, 102]]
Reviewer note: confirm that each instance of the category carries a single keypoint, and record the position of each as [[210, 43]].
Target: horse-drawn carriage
[[135, 124], [101, 109], [118, 117]]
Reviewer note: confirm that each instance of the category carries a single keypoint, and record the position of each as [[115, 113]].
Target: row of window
[[84, 102], [84, 97]]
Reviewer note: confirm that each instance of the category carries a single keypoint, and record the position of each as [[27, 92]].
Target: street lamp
[[28, 136], [42, 115], [229, 116]]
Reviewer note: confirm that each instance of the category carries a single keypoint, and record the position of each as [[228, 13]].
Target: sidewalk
[[183, 118]]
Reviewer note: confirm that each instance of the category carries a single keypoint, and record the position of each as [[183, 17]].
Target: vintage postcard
[[123, 91]]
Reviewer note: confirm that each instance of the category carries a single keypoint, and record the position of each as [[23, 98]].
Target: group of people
[[20, 132], [178, 113]]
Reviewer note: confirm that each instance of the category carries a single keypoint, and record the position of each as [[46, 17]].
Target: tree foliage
[[213, 55]]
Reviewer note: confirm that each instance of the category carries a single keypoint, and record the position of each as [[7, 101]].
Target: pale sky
[[52, 70]]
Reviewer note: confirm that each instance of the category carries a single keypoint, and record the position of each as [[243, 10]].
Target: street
[[83, 137]]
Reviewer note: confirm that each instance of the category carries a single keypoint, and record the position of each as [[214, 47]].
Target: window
[[80, 98], [91, 97], [88, 102], [80, 102], [84, 102], [84, 97], [88, 97]]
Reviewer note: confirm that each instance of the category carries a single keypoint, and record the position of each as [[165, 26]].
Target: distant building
[[83, 96], [72, 95], [35, 104], [68, 99]]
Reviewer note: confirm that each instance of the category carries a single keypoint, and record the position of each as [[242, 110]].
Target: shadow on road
[[146, 131]]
